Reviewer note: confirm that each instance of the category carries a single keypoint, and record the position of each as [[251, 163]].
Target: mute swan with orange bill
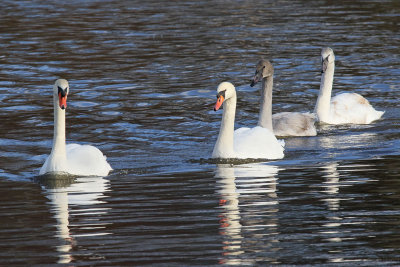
[[243, 143], [71, 159]]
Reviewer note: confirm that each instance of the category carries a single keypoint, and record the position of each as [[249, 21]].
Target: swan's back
[[352, 108], [86, 160], [294, 124], [257, 142]]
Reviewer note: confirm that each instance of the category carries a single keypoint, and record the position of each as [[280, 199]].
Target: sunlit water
[[143, 77]]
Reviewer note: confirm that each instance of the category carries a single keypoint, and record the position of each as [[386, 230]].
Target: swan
[[72, 159], [256, 142], [284, 123], [345, 107]]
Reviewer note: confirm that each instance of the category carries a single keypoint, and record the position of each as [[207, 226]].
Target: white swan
[[73, 158], [284, 123], [345, 107], [257, 142]]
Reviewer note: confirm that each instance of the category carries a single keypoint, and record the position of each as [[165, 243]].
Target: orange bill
[[220, 100], [62, 101]]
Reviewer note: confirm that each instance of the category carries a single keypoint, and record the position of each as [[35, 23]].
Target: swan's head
[[225, 91], [264, 69], [327, 57], [61, 90]]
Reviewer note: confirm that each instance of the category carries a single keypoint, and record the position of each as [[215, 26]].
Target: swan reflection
[[338, 146], [69, 196], [248, 212], [331, 228], [331, 185]]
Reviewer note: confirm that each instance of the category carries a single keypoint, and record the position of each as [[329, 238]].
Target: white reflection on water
[[249, 207], [331, 186], [347, 145], [336, 229], [331, 229], [78, 197]]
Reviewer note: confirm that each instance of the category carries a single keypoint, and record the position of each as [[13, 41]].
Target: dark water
[[143, 76]]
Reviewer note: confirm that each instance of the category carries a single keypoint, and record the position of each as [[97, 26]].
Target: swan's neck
[[265, 118], [322, 108], [58, 153], [224, 146]]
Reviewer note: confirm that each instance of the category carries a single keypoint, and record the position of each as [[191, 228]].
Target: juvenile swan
[[72, 158], [256, 142], [345, 107], [284, 123]]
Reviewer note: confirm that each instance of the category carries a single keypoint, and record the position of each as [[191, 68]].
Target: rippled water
[[143, 77]]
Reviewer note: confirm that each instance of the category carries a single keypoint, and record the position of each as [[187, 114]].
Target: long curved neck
[[265, 117], [59, 131], [224, 145], [322, 107]]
